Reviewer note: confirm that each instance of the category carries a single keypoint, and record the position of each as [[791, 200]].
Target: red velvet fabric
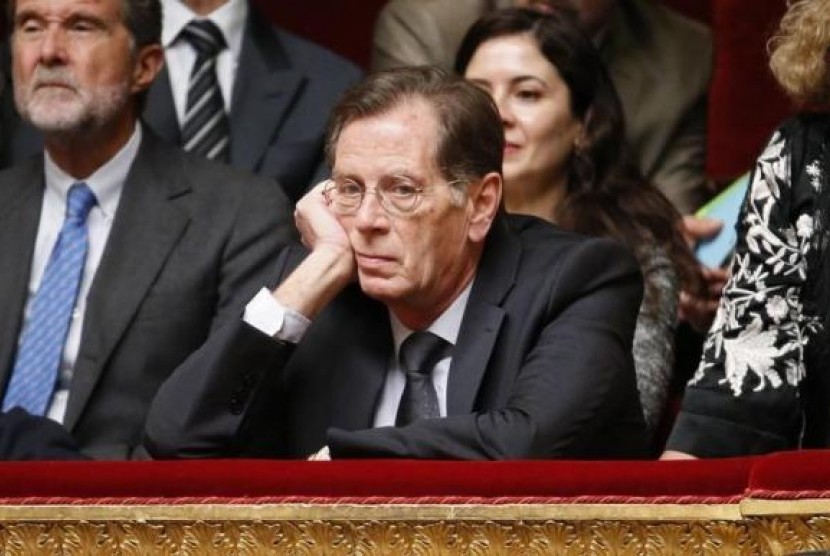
[[804, 474], [576, 481], [745, 103]]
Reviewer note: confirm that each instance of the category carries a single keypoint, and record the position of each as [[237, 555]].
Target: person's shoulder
[[545, 245], [215, 182], [806, 125], [440, 11], [672, 26], [303, 54], [22, 169], [665, 37]]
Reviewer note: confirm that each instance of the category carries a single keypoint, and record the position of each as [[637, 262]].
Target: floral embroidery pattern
[[761, 329]]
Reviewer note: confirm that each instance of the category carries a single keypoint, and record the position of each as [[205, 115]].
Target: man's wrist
[[322, 275], [267, 315]]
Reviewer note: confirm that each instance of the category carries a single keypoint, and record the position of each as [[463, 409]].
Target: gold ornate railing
[[273, 511]]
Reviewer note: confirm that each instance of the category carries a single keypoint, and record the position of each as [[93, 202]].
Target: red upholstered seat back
[[745, 104], [342, 26]]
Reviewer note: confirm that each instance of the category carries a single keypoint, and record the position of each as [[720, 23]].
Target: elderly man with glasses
[[420, 321]]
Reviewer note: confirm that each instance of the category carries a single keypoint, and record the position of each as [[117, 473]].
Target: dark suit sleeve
[[263, 226], [29, 437], [574, 382], [199, 410]]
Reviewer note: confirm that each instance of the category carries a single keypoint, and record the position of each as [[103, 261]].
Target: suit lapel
[[361, 367], [20, 202], [264, 90], [160, 112], [147, 227], [482, 317]]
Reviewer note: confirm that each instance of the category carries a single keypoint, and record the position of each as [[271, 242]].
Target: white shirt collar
[[446, 326], [230, 18], [106, 182]]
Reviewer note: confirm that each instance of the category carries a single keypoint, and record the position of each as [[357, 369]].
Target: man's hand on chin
[[329, 267], [318, 225]]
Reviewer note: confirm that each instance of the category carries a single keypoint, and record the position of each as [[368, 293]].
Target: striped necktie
[[40, 350], [206, 128]]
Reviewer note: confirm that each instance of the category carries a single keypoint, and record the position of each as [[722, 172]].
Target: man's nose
[[371, 214], [53, 45]]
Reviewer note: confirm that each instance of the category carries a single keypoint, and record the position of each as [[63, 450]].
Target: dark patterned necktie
[[41, 345], [419, 354], [206, 128]]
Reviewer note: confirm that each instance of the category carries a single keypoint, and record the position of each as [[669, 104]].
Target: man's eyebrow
[[25, 14], [86, 16], [406, 176]]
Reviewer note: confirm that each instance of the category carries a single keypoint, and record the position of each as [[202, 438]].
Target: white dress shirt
[[267, 315], [180, 56], [106, 183]]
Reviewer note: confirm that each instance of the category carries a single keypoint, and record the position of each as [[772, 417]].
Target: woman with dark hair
[[565, 161], [763, 382]]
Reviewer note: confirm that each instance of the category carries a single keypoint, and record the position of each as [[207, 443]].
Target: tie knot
[[79, 201], [421, 351], [204, 36]]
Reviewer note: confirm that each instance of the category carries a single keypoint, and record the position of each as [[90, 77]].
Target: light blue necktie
[[41, 346]]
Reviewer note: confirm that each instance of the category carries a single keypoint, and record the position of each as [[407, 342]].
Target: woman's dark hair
[[606, 193]]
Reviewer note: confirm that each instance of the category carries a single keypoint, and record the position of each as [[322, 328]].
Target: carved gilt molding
[[770, 535], [750, 527]]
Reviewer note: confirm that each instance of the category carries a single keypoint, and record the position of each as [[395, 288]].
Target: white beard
[[53, 102]]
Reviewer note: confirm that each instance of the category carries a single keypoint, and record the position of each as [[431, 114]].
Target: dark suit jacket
[[284, 90], [191, 239], [542, 368]]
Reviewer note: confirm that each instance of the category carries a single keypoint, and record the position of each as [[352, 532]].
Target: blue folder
[[726, 206]]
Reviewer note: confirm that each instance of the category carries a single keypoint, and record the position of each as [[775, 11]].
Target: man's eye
[[83, 26], [349, 189], [402, 190], [29, 27]]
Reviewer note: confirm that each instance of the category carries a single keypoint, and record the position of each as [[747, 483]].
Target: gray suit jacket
[[284, 90], [660, 62], [542, 368], [191, 240]]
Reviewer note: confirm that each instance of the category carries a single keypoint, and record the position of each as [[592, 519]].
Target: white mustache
[[44, 75]]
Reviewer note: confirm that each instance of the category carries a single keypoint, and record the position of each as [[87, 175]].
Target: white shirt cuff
[[269, 316]]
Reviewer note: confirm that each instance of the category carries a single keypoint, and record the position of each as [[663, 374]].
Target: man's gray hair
[[471, 137]]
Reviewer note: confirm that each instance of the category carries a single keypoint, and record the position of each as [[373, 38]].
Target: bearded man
[[118, 255]]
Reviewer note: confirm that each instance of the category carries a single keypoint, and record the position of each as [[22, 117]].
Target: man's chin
[[57, 123], [384, 290], [53, 111]]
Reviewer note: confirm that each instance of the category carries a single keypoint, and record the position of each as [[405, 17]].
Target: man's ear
[[485, 200], [148, 63]]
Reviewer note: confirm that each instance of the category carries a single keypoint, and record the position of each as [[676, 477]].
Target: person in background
[[565, 161], [660, 63], [763, 384], [118, 253], [470, 334], [239, 90]]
